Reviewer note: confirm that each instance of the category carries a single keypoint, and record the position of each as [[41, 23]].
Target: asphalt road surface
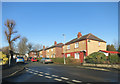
[[50, 73]]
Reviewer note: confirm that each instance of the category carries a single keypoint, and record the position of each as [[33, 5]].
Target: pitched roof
[[87, 36], [57, 45]]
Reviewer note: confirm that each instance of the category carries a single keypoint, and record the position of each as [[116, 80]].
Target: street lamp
[[64, 48]]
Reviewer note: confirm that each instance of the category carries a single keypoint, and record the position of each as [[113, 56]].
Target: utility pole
[[64, 49]]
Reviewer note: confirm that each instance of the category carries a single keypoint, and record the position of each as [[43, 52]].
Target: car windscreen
[[47, 58], [20, 57]]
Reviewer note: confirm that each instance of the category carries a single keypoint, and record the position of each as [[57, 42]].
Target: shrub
[[113, 59], [96, 57], [58, 60], [39, 58]]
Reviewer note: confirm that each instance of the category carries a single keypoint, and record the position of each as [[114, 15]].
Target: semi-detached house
[[54, 51], [83, 46], [42, 52]]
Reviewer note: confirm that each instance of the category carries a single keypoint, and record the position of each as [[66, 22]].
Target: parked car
[[46, 60], [34, 59], [20, 59]]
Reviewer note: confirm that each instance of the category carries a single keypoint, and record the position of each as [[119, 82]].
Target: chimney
[[79, 35], [43, 47], [55, 43]]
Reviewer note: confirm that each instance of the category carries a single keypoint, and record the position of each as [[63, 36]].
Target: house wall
[[93, 46], [50, 53], [58, 51], [82, 46]]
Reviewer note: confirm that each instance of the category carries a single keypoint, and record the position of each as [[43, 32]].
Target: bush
[[113, 59], [96, 57], [58, 60], [39, 58]]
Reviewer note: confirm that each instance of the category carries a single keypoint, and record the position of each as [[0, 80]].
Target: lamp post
[[64, 48]]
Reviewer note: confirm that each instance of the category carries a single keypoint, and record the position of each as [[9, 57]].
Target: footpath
[[12, 70]]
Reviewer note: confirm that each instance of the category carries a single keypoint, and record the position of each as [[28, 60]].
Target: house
[[33, 53], [83, 46], [54, 51], [42, 52]]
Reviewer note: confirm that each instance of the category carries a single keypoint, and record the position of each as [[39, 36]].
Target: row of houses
[[78, 48]]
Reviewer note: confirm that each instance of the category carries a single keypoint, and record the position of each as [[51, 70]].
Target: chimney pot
[[79, 35], [55, 43], [43, 47]]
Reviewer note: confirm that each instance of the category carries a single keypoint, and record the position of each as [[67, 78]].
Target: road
[[37, 72]]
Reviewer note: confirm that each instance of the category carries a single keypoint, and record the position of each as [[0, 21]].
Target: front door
[[81, 57]]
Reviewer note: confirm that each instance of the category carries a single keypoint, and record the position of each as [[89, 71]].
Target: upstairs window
[[98, 43], [47, 50], [51, 49], [68, 47], [76, 45]]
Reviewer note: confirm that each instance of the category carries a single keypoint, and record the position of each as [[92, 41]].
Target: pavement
[[12, 70], [36, 72]]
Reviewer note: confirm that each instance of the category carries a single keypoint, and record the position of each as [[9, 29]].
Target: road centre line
[[54, 76], [47, 74], [40, 74], [48, 77], [77, 81], [64, 78], [57, 79]]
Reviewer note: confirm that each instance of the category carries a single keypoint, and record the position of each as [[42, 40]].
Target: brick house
[[83, 46], [54, 51], [42, 52], [33, 53]]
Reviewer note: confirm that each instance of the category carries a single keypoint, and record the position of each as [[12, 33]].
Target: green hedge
[[96, 57], [69, 60], [39, 58], [114, 59]]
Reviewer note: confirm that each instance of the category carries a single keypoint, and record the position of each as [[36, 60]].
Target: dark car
[[46, 60]]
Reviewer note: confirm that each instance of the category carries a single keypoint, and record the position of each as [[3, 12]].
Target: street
[[37, 72]]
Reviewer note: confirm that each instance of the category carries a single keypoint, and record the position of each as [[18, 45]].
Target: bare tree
[[37, 47], [22, 46], [116, 44], [30, 47], [10, 24]]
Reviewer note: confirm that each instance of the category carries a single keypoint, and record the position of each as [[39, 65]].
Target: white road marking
[[30, 72], [64, 78], [69, 82], [47, 74], [57, 79], [27, 70], [48, 77], [40, 72], [35, 73], [54, 76], [77, 81], [40, 75]]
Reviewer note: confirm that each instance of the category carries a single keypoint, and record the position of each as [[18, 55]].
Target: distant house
[[83, 46], [54, 51], [42, 52], [33, 53]]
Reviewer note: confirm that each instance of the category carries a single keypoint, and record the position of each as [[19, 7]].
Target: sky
[[45, 22]]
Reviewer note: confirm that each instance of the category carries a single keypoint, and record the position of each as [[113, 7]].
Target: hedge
[[96, 57]]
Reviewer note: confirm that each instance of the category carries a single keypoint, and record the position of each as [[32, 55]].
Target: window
[[47, 56], [34, 52], [99, 43], [76, 55], [68, 55], [68, 47], [51, 49], [76, 45], [47, 50]]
